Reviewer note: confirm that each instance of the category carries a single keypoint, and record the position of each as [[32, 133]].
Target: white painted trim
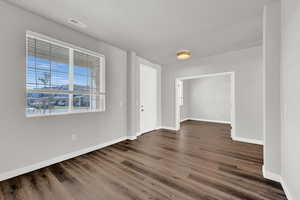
[[169, 128], [64, 113], [276, 177], [30, 168], [240, 139], [148, 63], [286, 190], [264, 82], [270, 175], [183, 120], [147, 131], [233, 104], [251, 141], [177, 104], [205, 75], [131, 137], [209, 120]]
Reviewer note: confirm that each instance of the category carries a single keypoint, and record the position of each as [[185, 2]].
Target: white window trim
[[71, 48]]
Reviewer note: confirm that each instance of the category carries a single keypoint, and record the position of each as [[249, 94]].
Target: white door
[[148, 98]]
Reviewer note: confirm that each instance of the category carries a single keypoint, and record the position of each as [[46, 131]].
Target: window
[[62, 78]]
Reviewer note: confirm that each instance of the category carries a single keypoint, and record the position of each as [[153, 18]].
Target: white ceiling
[[157, 29]]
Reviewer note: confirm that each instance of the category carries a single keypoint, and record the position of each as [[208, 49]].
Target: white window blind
[[62, 78]]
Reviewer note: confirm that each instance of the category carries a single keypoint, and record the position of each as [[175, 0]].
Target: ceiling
[[157, 29]]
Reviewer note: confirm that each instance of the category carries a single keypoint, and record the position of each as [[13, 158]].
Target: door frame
[[232, 98], [142, 61]]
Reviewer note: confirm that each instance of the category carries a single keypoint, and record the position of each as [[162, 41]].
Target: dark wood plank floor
[[199, 162]]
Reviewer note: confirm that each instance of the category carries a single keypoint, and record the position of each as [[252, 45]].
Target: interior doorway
[[148, 98], [230, 98]]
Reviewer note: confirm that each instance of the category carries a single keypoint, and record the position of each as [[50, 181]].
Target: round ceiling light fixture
[[183, 55]]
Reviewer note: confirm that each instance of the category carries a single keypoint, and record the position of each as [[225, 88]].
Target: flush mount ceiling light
[[77, 23], [183, 55]]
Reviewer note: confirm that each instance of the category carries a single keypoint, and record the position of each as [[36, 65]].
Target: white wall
[[209, 98], [271, 56], [25, 141], [290, 70], [247, 65], [133, 78]]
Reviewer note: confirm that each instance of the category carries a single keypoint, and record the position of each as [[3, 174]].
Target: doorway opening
[[218, 104]]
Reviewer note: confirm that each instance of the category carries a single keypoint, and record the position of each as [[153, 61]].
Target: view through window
[[61, 79]]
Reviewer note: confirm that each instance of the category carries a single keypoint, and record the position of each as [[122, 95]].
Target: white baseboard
[[30, 168], [208, 120], [184, 119], [286, 190], [270, 175], [276, 177], [240, 139], [131, 137], [251, 141], [168, 128], [147, 131]]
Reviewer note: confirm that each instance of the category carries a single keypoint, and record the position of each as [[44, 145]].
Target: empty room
[[149, 99], [207, 98]]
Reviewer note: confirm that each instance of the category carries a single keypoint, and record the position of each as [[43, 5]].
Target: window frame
[[101, 92]]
